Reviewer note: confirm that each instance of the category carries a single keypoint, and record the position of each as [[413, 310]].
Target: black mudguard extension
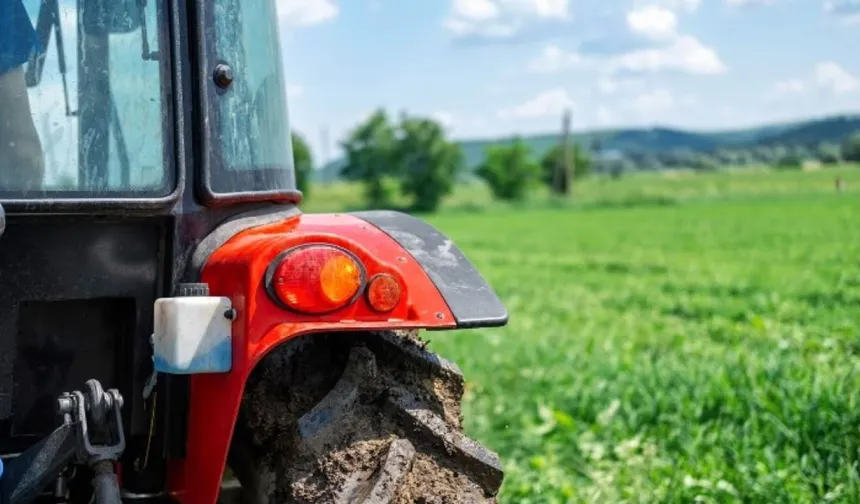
[[472, 301]]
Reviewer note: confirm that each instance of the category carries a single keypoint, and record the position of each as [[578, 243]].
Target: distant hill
[[658, 139]]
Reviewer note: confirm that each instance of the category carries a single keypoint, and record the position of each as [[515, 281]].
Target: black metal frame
[[185, 106], [213, 165]]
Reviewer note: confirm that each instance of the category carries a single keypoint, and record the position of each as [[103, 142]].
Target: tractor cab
[[155, 272]]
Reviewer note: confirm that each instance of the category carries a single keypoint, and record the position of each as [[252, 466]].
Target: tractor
[[173, 327]]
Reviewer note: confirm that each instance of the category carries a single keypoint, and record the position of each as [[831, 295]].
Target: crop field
[[702, 346]]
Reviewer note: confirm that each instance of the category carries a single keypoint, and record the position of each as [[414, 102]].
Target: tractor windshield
[[81, 99]]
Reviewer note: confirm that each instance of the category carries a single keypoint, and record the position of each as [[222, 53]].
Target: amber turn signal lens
[[383, 292], [316, 279]]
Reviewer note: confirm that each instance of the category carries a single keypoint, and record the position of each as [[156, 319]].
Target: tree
[[646, 161], [427, 162], [803, 152], [678, 158], [763, 154], [731, 157], [370, 152], [779, 154], [851, 148], [618, 167], [745, 157], [790, 160], [613, 163], [829, 153], [303, 162], [555, 158], [509, 170], [703, 163]]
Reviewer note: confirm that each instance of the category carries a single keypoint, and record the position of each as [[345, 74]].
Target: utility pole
[[566, 169], [569, 157], [324, 147]]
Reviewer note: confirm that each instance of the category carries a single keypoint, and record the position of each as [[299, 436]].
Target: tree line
[[413, 155], [779, 156]]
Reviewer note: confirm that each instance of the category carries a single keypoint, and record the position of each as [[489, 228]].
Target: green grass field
[[632, 190], [687, 338]]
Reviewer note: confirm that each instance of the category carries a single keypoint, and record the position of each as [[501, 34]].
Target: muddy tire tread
[[387, 430]]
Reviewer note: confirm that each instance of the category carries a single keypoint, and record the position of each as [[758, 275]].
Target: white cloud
[[653, 103], [748, 3], [677, 6], [686, 5], [475, 10], [501, 18], [827, 76], [685, 53], [653, 22], [306, 12], [548, 103], [788, 87], [784, 89], [462, 27], [554, 59], [671, 51], [550, 9], [674, 51], [831, 76], [847, 10]]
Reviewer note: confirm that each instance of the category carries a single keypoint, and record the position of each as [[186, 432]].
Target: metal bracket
[[104, 424], [105, 412], [91, 434]]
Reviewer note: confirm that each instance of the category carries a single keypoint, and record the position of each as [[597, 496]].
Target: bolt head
[[223, 75], [65, 404]]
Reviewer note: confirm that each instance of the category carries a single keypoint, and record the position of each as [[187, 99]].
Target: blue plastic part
[[219, 359]]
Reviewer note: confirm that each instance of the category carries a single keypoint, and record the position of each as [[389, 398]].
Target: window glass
[[256, 153], [81, 111]]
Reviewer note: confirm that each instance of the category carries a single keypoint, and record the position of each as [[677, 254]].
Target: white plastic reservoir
[[193, 335]]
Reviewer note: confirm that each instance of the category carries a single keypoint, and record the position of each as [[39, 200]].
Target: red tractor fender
[[436, 278]]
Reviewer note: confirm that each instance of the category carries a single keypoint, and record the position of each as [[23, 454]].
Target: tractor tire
[[363, 418]]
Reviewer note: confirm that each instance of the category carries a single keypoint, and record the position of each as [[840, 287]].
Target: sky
[[497, 68], [490, 68]]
